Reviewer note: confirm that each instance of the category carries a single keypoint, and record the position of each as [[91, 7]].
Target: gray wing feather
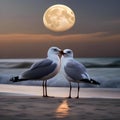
[[75, 70], [40, 69], [43, 63]]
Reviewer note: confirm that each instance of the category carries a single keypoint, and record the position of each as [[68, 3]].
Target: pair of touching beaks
[[62, 52], [66, 52]]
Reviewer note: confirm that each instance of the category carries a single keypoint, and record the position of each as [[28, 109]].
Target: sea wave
[[15, 65], [114, 64]]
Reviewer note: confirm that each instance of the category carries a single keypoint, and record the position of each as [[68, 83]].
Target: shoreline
[[62, 92]]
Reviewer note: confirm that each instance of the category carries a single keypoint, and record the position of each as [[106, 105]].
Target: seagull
[[74, 71], [42, 70]]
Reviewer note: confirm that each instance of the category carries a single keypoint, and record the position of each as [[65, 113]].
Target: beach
[[26, 103]]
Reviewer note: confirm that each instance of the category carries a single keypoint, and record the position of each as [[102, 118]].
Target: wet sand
[[36, 108], [18, 106]]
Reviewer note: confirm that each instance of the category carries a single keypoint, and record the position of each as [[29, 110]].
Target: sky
[[96, 32]]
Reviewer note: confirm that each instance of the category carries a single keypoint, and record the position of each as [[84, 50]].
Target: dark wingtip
[[94, 82], [14, 79]]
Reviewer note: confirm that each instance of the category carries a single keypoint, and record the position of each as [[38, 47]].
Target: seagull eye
[[55, 49], [69, 52]]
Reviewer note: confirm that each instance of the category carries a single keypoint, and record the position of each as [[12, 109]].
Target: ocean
[[104, 70]]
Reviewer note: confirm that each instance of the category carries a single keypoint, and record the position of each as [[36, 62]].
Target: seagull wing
[[76, 70], [43, 63], [40, 69]]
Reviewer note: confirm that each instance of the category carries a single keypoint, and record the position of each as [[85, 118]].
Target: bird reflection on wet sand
[[62, 110]]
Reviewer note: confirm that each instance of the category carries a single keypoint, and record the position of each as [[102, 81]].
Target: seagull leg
[[46, 88], [43, 89], [78, 91], [70, 90]]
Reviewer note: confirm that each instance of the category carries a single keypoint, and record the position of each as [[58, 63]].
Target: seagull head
[[67, 53], [54, 51]]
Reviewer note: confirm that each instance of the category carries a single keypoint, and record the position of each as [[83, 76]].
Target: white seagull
[[42, 70], [75, 71]]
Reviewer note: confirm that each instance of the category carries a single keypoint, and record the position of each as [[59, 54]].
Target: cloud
[[99, 36], [100, 44]]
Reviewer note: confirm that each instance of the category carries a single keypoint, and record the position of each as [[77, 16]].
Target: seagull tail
[[94, 82], [15, 79], [91, 81]]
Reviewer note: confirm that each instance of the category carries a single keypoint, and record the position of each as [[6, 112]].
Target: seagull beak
[[61, 52]]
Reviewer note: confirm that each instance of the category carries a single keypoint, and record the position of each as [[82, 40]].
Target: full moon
[[59, 18]]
